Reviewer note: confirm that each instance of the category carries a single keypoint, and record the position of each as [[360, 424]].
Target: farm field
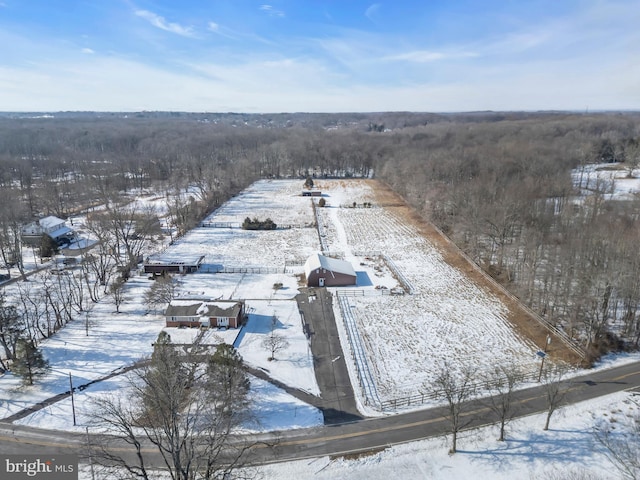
[[448, 319]]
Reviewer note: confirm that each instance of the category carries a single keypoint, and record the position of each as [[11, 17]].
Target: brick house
[[204, 314]]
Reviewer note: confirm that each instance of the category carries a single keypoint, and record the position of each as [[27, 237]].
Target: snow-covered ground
[[615, 181], [408, 337], [567, 450]]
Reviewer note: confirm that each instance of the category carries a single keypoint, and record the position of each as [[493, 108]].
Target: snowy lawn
[[567, 450], [115, 340]]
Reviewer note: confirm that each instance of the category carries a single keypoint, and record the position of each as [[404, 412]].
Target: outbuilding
[[322, 271], [183, 264]]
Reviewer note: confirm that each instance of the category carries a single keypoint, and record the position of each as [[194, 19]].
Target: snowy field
[[447, 320], [408, 338]]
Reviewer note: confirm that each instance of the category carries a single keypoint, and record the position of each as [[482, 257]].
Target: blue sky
[[319, 56]]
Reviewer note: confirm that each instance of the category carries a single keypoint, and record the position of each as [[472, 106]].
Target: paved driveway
[[328, 358]]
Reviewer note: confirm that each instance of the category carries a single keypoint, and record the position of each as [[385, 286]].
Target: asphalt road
[[340, 439]]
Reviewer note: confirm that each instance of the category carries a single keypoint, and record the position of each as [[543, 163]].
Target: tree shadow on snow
[[557, 446]]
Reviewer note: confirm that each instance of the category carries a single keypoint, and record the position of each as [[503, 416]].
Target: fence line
[[365, 378], [370, 254], [263, 270], [364, 293], [220, 225], [421, 398], [285, 226], [406, 284], [321, 233]]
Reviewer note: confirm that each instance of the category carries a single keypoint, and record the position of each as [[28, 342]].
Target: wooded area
[[498, 184]]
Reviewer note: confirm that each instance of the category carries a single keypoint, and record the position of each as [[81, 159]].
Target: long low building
[[322, 271], [161, 266]]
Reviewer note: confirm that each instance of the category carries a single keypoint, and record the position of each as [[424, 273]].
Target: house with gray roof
[[204, 313]]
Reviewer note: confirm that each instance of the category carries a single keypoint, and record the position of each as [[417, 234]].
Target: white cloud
[[292, 84], [555, 65], [426, 56], [372, 11], [272, 12], [161, 23]]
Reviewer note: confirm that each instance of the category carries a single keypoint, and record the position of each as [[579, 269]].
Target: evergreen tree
[[228, 384], [48, 247], [11, 330], [29, 361], [308, 183], [166, 382]]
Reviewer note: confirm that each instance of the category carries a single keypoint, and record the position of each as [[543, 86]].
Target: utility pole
[[543, 354], [73, 405]]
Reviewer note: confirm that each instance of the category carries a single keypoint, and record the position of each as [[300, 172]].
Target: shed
[[322, 271], [161, 266]]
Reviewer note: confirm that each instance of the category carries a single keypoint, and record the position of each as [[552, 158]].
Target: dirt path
[[522, 320]]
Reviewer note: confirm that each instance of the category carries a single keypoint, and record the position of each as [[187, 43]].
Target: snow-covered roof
[[223, 309], [50, 222], [60, 232], [192, 308], [183, 309], [332, 264], [176, 260]]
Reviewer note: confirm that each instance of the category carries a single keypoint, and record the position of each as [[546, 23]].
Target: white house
[[54, 227]]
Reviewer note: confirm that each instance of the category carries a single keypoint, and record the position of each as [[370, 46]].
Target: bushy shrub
[[256, 224]]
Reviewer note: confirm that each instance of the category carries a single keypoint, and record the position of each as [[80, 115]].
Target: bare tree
[[177, 406], [554, 390], [116, 290], [274, 342], [161, 292], [456, 387], [502, 382]]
